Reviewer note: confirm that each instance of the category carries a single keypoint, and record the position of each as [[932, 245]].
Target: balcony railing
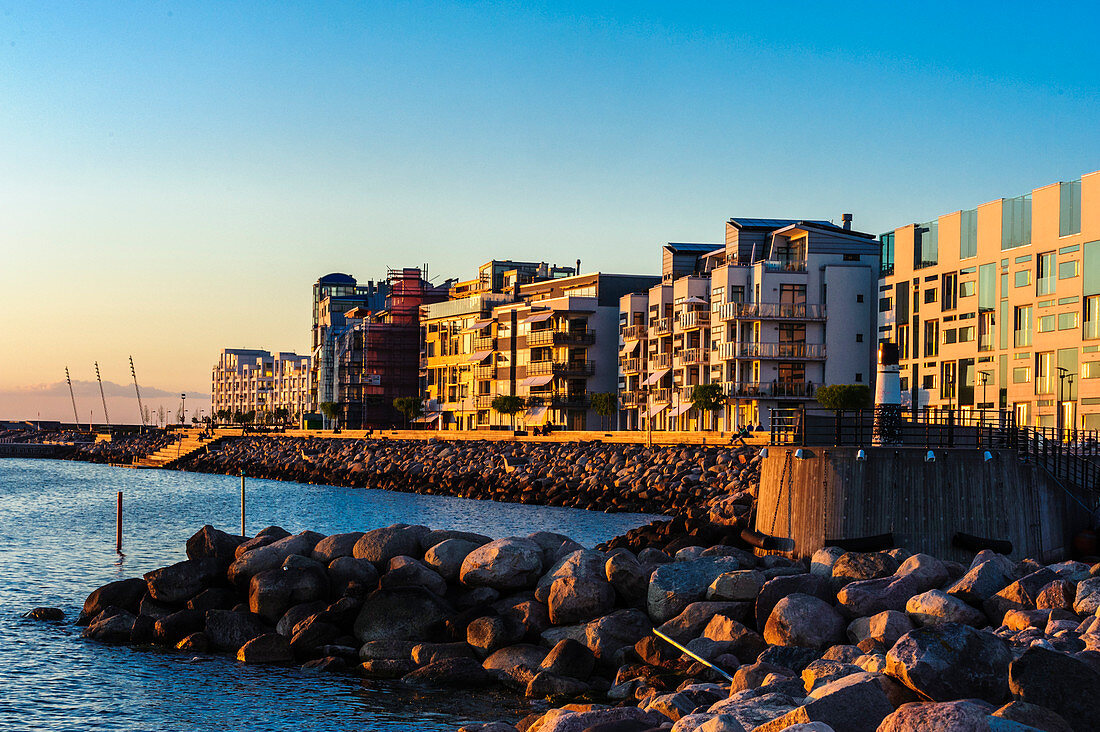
[[569, 401], [661, 327], [694, 319], [782, 265], [771, 311], [485, 372], [631, 365], [660, 361], [659, 396], [486, 343], [810, 351], [634, 332], [555, 337], [630, 399], [561, 368], [484, 401], [692, 356], [776, 389]]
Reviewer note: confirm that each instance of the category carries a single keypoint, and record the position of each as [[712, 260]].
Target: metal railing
[[561, 368], [661, 327], [691, 356], [784, 265], [552, 336], [660, 361], [631, 365], [777, 389], [485, 343], [810, 351], [771, 311], [694, 319], [634, 332], [485, 372]]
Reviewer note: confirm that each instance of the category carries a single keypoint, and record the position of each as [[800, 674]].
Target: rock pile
[[591, 475], [887, 641]]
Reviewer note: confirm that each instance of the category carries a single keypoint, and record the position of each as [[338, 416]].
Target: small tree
[[411, 407], [224, 415], [708, 398], [331, 410], [605, 404], [508, 405], [845, 396], [282, 414]]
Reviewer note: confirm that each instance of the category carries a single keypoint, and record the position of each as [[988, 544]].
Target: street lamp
[[183, 409], [983, 377], [1063, 374]]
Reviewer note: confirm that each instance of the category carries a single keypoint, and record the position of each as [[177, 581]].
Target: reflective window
[[968, 236], [1015, 222], [1069, 209]]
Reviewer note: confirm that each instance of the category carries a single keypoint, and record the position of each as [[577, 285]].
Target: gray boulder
[[1020, 595], [777, 588], [112, 625], [1058, 682], [585, 564], [343, 571], [401, 613], [270, 556], [855, 703], [805, 621], [743, 585], [693, 621], [266, 648], [981, 582], [674, 586], [574, 599], [381, 545], [951, 661], [935, 607], [272, 592], [628, 577], [337, 545], [504, 564], [954, 716], [853, 566], [209, 542], [228, 631], [408, 572], [870, 597], [447, 556], [124, 594]]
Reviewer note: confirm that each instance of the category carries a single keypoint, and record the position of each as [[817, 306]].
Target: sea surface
[[57, 544]]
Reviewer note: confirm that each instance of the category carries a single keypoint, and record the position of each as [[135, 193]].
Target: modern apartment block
[[750, 316], [541, 333], [246, 380], [998, 307], [333, 296]]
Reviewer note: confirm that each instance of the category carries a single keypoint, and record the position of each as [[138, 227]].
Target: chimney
[[578, 266], [847, 219]]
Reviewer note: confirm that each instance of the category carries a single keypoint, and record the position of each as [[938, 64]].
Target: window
[[1090, 370], [1067, 321], [1044, 274], [1092, 316], [792, 333], [985, 332], [1046, 323], [931, 338], [1015, 222], [1044, 373], [851, 257], [1067, 270], [987, 286], [1022, 326], [859, 338], [1023, 278], [859, 376], [887, 241], [968, 288], [1021, 374], [949, 336], [903, 341], [950, 287], [968, 236], [1069, 209], [966, 334], [859, 298], [885, 304], [930, 295], [926, 244], [948, 373], [792, 294]]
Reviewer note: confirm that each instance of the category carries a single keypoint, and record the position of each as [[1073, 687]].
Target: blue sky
[[175, 175]]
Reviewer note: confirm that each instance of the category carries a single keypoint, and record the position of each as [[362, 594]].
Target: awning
[[477, 356], [536, 415], [631, 347], [429, 417], [696, 299], [655, 410], [537, 380], [479, 325], [655, 377], [538, 317], [680, 410]]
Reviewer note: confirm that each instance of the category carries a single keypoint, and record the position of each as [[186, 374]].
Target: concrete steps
[[166, 456]]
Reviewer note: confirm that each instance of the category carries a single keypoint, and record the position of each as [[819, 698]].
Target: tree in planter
[[605, 404], [845, 396], [509, 406], [708, 398], [331, 410], [411, 407]]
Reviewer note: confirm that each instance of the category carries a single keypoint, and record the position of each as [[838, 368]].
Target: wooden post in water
[[118, 524], [242, 504]]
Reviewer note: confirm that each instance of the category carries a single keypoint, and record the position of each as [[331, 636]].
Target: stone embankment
[[847, 642], [590, 475]]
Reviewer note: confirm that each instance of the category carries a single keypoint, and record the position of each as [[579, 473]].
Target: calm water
[[57, 545]]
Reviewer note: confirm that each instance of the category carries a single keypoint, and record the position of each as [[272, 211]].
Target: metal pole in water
[[242, 504], [118, 524]]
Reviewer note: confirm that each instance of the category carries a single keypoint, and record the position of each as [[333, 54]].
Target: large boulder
[[695, 618], [209, 542], [1087, 599], [777, 588], [270, 556], [458, 672], [112, 625], [855, 703], [335, 546], [928, 571], [346, 572], [1034, 716], [124, 594], [870, 597], [610, 634], [381, 545], [854, 566], [743, 585], [954, 716], [569, 658], [401, 613], [1020, 595], [569, 720], [628, 577], [409, 572], [272, 592], [951, 661], [586, 564], [1059, 682], [574, 599], [518, 655], [935, 607], [181, 581], [806, 621], [504, 564], [228, 630], [266, 648], [981, 582], [672, 587], [885, 627], [447, 556]]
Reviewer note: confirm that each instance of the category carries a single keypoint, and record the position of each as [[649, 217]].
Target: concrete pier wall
[[829, 495]]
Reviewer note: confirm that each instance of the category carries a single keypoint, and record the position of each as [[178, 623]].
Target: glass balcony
[[771, 311]]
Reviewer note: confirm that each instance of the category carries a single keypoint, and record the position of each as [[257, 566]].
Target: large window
[[1015, 222], [1044, 274], [985, 331], [887, 241], [1046, 323], [968, 236], [948, 379], [1022, 326], [1067, 321], [1069, 209], [1092, 316], [987, 286], [1068, 270], [931, 338], [926, 240], [1023, 278], [1044, 373], [949, 285], [792, 294]]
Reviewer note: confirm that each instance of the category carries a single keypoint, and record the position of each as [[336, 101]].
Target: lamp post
[[983, 377], [183, 409], [1063, 373]]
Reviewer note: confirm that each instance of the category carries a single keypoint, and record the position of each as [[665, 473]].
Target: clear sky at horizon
[[176, 175]]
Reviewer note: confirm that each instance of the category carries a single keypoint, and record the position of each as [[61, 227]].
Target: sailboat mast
[[141, 408], [106, 418], [72, 396]]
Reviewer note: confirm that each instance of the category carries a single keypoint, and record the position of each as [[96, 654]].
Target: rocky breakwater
[[849, 641], [591, 475]]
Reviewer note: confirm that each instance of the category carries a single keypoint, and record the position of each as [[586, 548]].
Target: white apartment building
[[784, 307], [246, 379]]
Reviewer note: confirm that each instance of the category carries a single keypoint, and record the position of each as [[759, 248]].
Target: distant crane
[[141, 408], [72, 396], [106, 418]]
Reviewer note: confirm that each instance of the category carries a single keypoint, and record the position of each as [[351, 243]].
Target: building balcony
[[630, 399], [634, 332], [776, 351], [630, 365], [784, 265], [774, 389], [770, 311], [693, 319], [485, 343], [554, 337], [561, 368], [661, 327], [659, 396], [660, 361], [692, 357], [569, 401], [484, 401], [485, 373]]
